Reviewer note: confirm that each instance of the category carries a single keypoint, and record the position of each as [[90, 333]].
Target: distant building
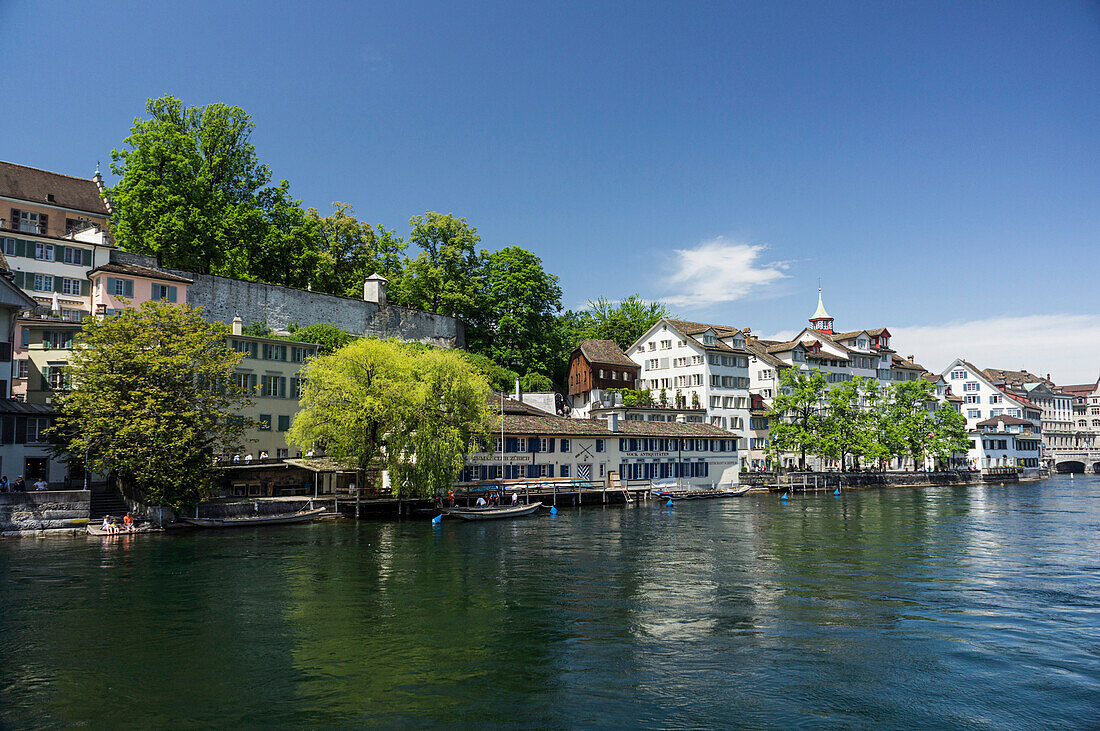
[[595, 367]]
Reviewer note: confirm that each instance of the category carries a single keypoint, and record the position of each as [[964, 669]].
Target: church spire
[[821, 320]]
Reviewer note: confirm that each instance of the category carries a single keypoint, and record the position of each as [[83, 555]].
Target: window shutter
[[550, 471], [532, 444], [19, 279], [45, 378], [85, 288], [20, 429], [282, 387], [171, 294], [551, 441], [58, 284], [59, 252], [111, 286], [14, 219], [128, 288], [20, 247], [252, 383], [43, 221], [87, 257]]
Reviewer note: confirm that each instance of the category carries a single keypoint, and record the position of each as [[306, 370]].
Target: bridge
[[1076, 460]]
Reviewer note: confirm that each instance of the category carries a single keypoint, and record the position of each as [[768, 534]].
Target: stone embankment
[[28, 512]]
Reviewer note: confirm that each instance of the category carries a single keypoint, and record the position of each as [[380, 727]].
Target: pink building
[[117, 286]]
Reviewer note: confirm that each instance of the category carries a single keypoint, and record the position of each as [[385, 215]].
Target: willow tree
[[152, 401], [377, 404], [445, 413]]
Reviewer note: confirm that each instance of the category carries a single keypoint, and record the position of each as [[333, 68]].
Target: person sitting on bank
[[248, 458], [19, 485], [41, 484], [263, 454], [128, 521], [515, 498], [236, 459], [481, 502], [4, 483]]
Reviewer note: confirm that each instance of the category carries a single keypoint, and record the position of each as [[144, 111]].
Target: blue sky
[[934, 164]]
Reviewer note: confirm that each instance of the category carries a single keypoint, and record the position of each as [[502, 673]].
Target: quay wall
[[42, 510], [865, 479]]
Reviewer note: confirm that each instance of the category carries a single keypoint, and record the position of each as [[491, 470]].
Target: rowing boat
[[493, 512], [303, 516], [700, 494]]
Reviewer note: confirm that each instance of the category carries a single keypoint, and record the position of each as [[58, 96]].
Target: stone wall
[[46, 509], [280, 307]]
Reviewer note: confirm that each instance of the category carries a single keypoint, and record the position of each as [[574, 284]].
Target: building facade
[[596, 367]]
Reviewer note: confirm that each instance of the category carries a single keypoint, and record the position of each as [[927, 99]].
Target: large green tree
[[153, 400], [796, 414], [448, 274], [949, 436], [193, 192], [841, 427], [520, 302], [624, 321], [377, 404], [910, 419], [351, 250]]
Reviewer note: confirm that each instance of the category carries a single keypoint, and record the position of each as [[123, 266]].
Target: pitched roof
[[534, 425], [135, 270], [874, 332], [1015, 378], [898, 362], [690, 329], [1080, 389], [11, 406], [605, 352], [35, 186], [1009, 420], [820, 313], [759, 348]]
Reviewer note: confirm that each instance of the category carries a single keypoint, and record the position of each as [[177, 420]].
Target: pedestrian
[[4, 483], [19, 485], [236, 459], [248, 458], [40, 484], [515, 498]]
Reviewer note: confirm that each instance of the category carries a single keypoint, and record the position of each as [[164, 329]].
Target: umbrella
[[55, 306]]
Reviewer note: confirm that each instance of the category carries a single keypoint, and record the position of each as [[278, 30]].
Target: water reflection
[[946, 606]]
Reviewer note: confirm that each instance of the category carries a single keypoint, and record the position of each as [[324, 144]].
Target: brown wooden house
[[594, 367]]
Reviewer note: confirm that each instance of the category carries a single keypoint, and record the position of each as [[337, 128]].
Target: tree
[[329, 337], [536, 383], [909, 418], [841, 425], [949, 436], [520, 302], [354, 398], [624, 321], [499, 378], [192, 192], [795, 414], [445, 413], [447, 276], [378, 403], [352, 250], [153, 400]]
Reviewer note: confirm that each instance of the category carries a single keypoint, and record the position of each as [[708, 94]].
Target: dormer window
[[862, 344], [738, 342]]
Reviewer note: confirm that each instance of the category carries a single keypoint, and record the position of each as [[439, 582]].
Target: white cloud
[[1065, 346], [717, 271]]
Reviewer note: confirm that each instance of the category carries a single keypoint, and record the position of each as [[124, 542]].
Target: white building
[[693, 363], [983, 401]]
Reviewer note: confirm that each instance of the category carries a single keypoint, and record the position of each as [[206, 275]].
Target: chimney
[[374, 289], [613, 423], [519, 394], [237, 325], [909, 358]]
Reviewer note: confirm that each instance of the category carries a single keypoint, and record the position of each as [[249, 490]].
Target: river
[[975, 607]]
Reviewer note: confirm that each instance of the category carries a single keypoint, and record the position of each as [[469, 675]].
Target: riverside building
[[539, 445]]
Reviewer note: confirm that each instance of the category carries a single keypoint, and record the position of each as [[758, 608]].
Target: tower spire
[[821, 320]]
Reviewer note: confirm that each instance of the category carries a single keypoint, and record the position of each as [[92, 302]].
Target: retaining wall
[[21, 511]]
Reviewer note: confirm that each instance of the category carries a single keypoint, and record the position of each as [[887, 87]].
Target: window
[[22, 367], [958, 375], [994, 399], [995, 412], [43, 252], [564, 447], [973, 413], [31, 223], [164, 292], [600, 446], [973, 399], [652, 345], [284, 422], [265, 422], [9, 247], [58, 339], [43, 283], [120, 287], [35, 428], [971, 386], [70, 286], [565, 470], [73, 255], [274, 352], [666, 345], [72, 315]]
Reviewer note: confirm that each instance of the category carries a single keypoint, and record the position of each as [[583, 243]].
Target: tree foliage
[[377, 403], [351, 250], [624, 321], [153, 400], [447, 276], [329, 337], [795, 414]]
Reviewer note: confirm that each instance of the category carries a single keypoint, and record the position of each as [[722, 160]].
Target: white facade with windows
[[700, 364]]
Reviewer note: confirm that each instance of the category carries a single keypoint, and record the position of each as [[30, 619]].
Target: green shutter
[[45, 378], [20, 246], [58, 282], [128, 288], [282, 387], [87, 254], [85, 288], [59, 253], [111, 286], [171, 294], [19, 277]]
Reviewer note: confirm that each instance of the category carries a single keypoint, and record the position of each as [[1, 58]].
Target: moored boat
[[303, 516], [690, 494], [492, 512]]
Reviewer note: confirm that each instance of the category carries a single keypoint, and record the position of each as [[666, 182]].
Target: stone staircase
[[107, 503]]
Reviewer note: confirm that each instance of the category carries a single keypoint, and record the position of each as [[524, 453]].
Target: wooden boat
[[303, 516], [492, 512], [700, 494]]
